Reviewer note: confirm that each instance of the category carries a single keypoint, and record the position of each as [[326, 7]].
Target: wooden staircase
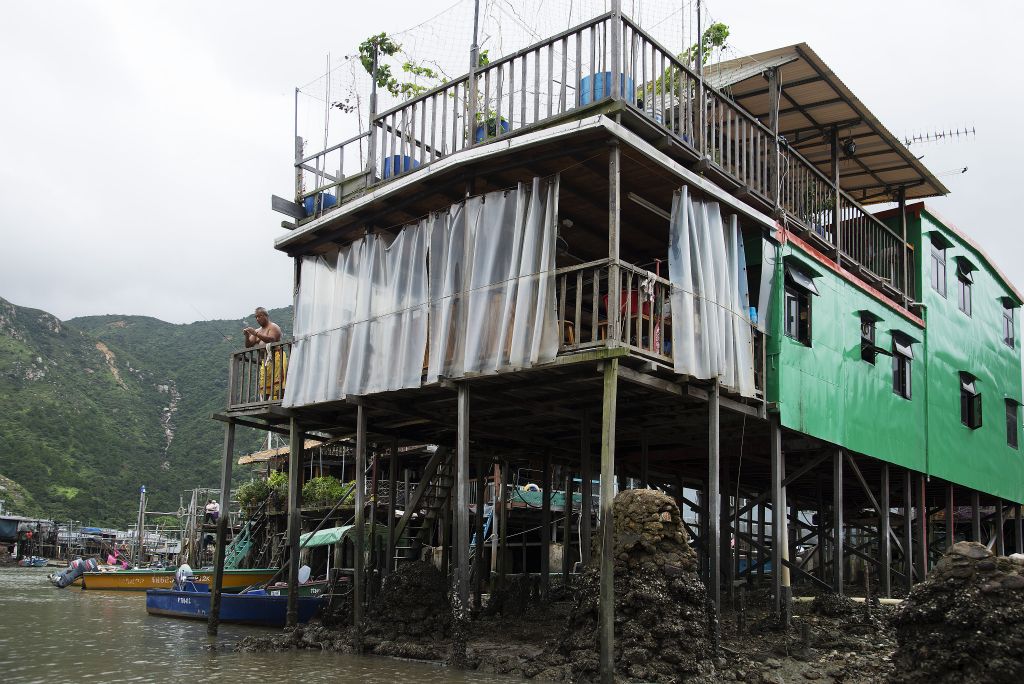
[[430, 496]]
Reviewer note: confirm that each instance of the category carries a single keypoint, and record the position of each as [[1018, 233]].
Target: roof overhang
[[814, 102]]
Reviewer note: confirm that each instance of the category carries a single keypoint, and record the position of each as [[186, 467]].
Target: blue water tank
[[602, 84], [309, 204], [398, 164]]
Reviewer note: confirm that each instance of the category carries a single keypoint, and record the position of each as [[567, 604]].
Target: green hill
[[93, 407]]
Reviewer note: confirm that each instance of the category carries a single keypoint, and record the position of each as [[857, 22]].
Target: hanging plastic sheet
[[492, 282], [361, 319], [711, 333]]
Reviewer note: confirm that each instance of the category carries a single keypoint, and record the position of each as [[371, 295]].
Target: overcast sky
[[140, 141]]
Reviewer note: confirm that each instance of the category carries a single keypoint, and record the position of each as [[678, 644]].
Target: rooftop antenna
[[950, 135]]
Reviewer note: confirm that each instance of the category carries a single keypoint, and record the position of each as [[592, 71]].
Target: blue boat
[[255, 607]]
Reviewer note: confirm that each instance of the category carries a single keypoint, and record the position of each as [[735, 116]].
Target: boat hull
[[143, 580], [248, 609]]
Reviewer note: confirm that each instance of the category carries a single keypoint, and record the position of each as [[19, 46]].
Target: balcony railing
[[258, 376], [574, 70]]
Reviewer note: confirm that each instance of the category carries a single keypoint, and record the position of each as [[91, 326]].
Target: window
[[964, 280], [868, 349], [970, 401], [902, 355], [1011, 423], [1009, 324], [938, 264], [799, 288]]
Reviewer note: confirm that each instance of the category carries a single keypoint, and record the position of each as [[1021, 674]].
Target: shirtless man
[[268, 332]]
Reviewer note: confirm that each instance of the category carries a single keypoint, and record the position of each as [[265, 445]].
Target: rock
[[970, 550]]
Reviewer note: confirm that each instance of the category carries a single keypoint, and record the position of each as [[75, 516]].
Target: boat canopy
[[333, 535]]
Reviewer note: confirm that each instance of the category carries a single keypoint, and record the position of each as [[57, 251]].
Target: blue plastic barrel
[[327, 201], [398, 164], [482, 131], [602, 84]]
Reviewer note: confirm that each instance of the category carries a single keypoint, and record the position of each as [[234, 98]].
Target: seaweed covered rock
[[661, 616], [965, 622], [412, 603]]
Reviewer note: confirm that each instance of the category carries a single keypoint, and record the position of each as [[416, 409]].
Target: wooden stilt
[[644, 471], [837, 521], [778, 517], [478, 548], [950, 518], [503, 525], [393, 467], [461, 502], [296, 440], [908, 527], [545, 528], [885, 577], [586, 488], [1000, 540], [976, 517], [714, 499], [222, 529], [359, 542], [567, 508], [606, 606], [1018, 529], [922, 528]]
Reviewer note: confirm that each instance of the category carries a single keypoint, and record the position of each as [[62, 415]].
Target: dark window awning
[[796, 277], [814, 100]]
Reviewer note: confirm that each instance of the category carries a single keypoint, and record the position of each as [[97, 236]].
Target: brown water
[[63, 635]]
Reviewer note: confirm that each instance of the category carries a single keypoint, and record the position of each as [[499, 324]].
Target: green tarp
[[333, 535]]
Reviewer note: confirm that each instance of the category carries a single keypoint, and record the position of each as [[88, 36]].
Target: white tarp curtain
[[361, 315], [711, 335], [492, 282], [361, 318]]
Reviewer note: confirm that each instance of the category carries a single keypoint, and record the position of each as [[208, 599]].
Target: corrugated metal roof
[[814, 100]]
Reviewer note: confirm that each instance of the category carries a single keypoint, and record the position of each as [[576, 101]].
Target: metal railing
[[330, 174], [257, 376]]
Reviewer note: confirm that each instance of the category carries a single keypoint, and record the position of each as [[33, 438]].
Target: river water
[[63, 635]]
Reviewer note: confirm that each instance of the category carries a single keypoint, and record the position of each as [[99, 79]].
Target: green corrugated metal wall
[[827, 390]]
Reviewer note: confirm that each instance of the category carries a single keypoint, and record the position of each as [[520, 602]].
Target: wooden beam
[[359, 542], [545, 528], [222, 529], [296, 442], [461, 508], [713, 542], [606, 601]]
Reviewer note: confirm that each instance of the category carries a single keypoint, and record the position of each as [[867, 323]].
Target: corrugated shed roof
[[814, 100]]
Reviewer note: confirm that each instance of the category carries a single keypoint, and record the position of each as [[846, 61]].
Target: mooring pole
[[222, 529], [295, 443], [358, 564], [606, 606], [141, 526], [837, 521], [884, 529]]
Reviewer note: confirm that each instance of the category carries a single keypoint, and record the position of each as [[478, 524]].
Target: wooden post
[[644, 462], [503, 525], [616, 50], [884, 527], [836, 223], [614, 294], [586, 487], [837, 521], [371, 564], [976, 517], [1000, 540], [567, 509], [1018, 529], [762, 557], [774, 96], [778, 517], [714, 506], [495, 502], [950, 517], [360, 532], [296, 440], [545, 528], [461, 503], [606, 605], [222, 529], [392, 494], [903, 245], [922, 527], [908, 535], [478, 548]]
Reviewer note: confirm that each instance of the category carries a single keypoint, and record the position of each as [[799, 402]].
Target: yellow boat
[[141, 580]]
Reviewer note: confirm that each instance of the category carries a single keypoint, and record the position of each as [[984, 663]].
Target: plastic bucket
[[398, 164]]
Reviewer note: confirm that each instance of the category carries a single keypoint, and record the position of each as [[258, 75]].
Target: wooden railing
[[258, 376], [601, 58]]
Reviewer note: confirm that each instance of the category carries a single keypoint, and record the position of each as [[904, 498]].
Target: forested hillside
[[93, 407]]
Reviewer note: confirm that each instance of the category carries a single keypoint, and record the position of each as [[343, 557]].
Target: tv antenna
[[950, 135]]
